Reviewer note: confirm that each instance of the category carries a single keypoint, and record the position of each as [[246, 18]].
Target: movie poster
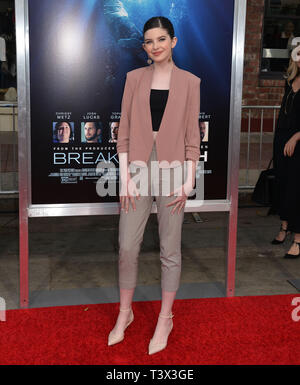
[[80, 52]]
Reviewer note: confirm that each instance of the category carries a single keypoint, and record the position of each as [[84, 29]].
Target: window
[[281, 25]]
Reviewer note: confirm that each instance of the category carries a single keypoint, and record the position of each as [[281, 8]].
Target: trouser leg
[[170, 229], [131, 231]]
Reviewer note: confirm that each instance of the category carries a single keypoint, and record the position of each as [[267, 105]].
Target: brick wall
[[257, 91]]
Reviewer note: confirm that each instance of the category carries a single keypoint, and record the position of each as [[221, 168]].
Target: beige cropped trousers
[[132, 226]]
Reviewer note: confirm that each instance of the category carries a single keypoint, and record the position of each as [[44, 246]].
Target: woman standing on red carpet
[[287, 160], [159, 124]]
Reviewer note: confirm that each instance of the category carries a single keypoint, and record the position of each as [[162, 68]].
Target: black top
[[289, 115], [158, 101], [287, 122]]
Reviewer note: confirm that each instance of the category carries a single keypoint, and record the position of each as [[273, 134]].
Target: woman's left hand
[[289, 147], [183, 192]]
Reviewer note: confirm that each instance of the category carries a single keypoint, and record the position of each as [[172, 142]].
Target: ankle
[[166, 316], [124, 309]]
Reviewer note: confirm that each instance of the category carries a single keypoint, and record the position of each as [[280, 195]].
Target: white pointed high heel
[[116, 338], [155, 348]]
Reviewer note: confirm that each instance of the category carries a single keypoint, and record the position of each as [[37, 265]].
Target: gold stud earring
[[149, 61]]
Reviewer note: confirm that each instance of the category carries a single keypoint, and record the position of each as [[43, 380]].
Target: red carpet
[[241, 330]]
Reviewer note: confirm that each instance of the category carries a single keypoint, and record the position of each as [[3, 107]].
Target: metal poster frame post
[[27, 209]]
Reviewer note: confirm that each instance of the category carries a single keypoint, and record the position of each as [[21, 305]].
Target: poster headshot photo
[[91, 132], [204, 131], [113, 128], [63, 132]]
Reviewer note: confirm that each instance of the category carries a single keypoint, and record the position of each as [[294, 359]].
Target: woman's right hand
[[128, 193]]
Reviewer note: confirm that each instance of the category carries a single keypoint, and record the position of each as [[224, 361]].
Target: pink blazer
[[178, 138]]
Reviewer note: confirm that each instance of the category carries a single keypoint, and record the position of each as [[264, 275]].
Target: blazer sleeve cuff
[[122, 148], [192, 155]]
